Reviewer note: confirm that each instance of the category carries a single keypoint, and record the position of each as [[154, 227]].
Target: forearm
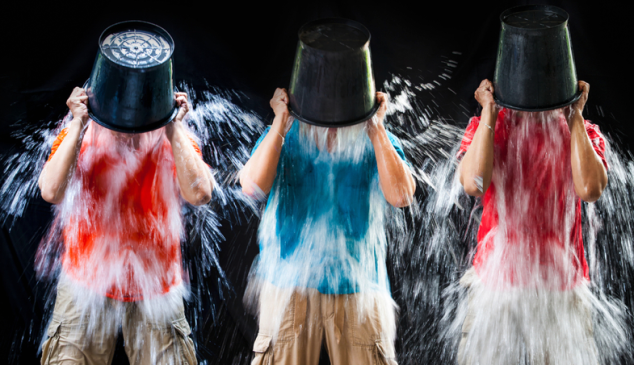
[[588, 172], [396, 179], [57, 172], [259, 172], [194, 177], [476, 167]]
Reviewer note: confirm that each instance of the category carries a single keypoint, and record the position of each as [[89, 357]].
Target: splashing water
[[429, 245], [223, 132], [301, 247], [432, 246], [323, 228]]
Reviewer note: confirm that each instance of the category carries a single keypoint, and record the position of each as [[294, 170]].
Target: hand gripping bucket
[[535, 68], [332, 84]]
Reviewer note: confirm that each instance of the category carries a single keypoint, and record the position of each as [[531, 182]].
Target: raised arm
[[588, 173], [258, 174], [57, 172], [396, 179], [476, 166], [194, 177]]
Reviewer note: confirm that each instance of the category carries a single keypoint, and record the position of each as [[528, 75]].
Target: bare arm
[[258, 174], [588, 173], [396, 179], [57, 172], [194, 177], [476, 167]]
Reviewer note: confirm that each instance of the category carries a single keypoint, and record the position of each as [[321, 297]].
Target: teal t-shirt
[[323, 226]]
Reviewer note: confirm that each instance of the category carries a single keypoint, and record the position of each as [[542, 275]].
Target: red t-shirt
[[530, 232], [123, 216]]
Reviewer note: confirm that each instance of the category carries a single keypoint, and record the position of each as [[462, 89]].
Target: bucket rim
[[158, 28], [515, 9], [146, 128], [347, 123], [576, 97], [347, 21]]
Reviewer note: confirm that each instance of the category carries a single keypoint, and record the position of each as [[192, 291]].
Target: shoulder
[[57, 142], [595, 135], [264, 133], [593, 130], [257, 143], [393, 139]]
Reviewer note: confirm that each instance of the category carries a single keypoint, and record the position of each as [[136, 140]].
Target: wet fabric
[[351, 337], [533, 193], [525, 327], [122, 226], [323, 226], [149, 340]]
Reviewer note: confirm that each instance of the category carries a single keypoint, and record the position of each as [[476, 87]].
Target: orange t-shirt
[[122, 216]]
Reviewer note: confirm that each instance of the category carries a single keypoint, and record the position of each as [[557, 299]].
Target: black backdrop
[[49, 49]]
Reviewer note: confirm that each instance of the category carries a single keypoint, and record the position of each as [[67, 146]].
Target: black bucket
[[332, 84], [131, 88], [535, 68]]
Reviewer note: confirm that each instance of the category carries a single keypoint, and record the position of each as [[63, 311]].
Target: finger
[[79, 92]]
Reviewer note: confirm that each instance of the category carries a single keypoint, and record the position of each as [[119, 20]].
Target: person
[[528, 287], [118, 200], [321, 271]]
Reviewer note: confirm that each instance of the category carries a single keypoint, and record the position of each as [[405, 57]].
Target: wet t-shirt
[[530, 231], [122, 213], [323, 225]]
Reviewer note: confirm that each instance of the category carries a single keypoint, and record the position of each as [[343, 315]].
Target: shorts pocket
[[185, 343], [49, 347], [385, 354], [262, 350]]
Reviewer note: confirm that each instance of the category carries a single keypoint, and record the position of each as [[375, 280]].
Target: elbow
[[591, 193], [251, 189], [404, 199], [200, 198], [50, 197], [246, 186], [474, 185], [473, 190], [201, 195], [49, 193], [592, 190], [401, 202]]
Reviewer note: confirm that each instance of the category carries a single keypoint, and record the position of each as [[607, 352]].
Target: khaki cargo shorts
[[351, 338], [73, 337]]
